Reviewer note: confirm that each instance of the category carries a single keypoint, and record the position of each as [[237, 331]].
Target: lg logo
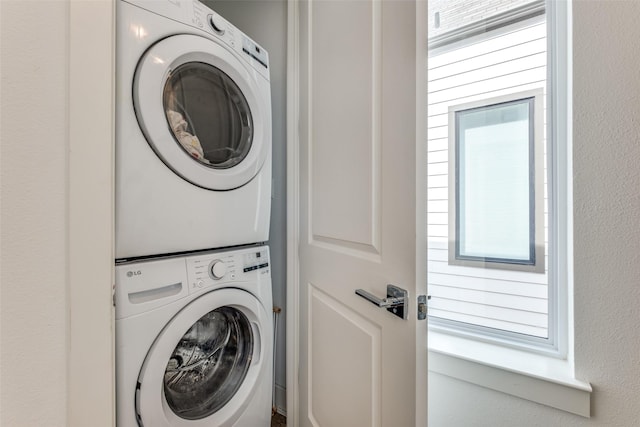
[[134, 273]]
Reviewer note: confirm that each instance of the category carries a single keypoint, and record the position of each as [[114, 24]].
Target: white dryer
[[193, 131], [194, 340]]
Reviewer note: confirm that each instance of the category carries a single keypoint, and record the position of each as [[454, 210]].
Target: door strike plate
[[422, 306]]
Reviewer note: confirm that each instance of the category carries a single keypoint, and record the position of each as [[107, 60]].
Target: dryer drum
[[208, 115], [209, 364]]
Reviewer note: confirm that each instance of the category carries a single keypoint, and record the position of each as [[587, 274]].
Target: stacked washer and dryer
[[194, 333]]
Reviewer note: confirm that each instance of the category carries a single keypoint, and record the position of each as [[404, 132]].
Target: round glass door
[[208, 115], [209, 364], [203, 111]]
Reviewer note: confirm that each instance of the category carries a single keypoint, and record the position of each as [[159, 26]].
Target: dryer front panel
[[203, 111]]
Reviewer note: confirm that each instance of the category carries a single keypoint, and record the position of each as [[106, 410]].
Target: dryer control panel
[[222, 268], [197, 15], [208, 20]]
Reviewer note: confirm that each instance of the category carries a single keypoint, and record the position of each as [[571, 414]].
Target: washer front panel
[[161, 366], [209, 364], [152, 322]]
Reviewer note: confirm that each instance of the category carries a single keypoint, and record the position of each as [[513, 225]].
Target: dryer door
[[205, 365], [203, 111]]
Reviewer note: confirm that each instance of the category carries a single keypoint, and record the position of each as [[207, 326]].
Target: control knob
[[216, 24], [218, 269]]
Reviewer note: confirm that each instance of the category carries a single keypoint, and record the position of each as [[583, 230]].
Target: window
[[495, 183], [506, 329]]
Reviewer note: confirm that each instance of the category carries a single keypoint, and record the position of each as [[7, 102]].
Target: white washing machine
[[194, 340], [193, 131]]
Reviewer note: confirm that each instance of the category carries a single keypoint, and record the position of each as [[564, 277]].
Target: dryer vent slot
[[154, 294]]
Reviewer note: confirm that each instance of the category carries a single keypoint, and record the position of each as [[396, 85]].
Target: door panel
[[358, 378], [345, 124], [359, 365]]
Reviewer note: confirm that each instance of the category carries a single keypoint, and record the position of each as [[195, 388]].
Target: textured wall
[[607, 237], [33, 312], [607, 205]]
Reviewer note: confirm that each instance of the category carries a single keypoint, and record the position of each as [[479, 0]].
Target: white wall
[[265, 21], [34, 195], [606, 156], [56, 234]]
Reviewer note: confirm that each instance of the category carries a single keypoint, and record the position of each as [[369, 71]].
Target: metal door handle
[[383, 303], [395, 302]]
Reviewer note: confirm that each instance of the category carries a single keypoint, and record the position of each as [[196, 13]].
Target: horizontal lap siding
[[509, 300], [456, 14]]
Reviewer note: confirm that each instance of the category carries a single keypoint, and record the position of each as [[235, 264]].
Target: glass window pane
[[495, 185]]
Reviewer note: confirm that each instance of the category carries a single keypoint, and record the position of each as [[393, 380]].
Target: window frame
[[559, 252], [544, 375], [536, 180]]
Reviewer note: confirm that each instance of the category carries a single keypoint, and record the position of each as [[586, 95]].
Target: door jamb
[[90, 212], [293, 213]]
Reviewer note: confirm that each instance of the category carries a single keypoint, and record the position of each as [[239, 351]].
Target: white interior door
[[360, 98]]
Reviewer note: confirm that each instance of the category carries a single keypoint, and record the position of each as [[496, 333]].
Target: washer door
[[202, 112], [203, 367]]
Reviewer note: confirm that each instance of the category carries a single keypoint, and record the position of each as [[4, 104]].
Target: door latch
[[395, 302], [422, 306]]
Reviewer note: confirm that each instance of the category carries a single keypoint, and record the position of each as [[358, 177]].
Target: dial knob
[[218, 269], [216, 24]]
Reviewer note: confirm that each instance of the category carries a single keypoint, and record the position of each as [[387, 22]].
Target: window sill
[[533, 377]]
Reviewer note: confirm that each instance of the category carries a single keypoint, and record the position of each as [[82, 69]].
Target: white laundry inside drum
[[208, 115], [209, 364]]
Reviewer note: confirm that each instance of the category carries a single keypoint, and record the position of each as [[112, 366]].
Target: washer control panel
[[255, 261], [217, 269], [223, 268]]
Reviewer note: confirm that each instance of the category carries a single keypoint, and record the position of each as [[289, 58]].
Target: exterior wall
[[606, 155], [34, 132], [488, 66], [266, 22], [458, 13]]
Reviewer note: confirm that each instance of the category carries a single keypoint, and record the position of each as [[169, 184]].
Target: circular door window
[[209, 364], [203, 111], [208, 115]]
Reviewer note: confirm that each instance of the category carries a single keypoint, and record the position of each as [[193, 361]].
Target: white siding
[[455, 14], [511, 62]]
